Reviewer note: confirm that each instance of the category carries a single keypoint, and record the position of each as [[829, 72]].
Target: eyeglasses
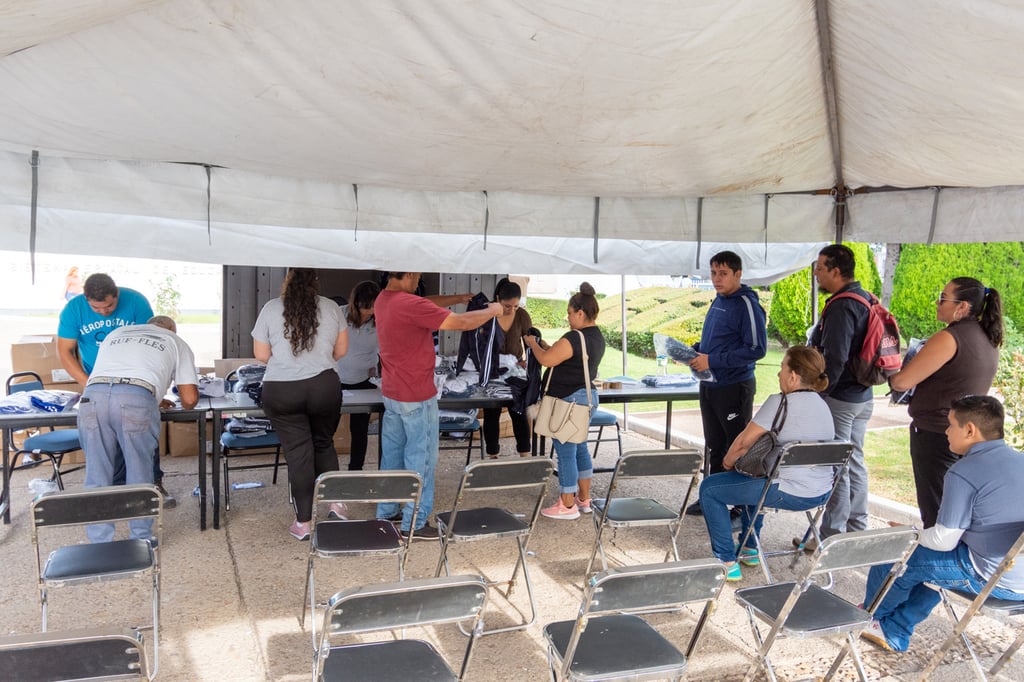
[[940, 300]]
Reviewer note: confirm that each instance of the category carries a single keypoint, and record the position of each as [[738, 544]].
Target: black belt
[[123, 380]]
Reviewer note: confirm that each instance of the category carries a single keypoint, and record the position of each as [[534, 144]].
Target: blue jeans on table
[[409, 440], [909, 601], [574, 461], [118, 421], [847, 511], [718, 491]]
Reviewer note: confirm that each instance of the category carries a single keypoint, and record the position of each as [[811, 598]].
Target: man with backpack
[[839, 336]]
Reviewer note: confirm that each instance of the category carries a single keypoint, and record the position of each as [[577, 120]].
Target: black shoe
[[169, 501], [695, 509], [736, 520], [396, 519], [427, 533]]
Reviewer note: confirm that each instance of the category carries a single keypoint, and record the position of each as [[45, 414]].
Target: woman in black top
[[568, 381]]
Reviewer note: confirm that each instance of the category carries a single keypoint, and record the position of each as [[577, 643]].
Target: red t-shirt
[[405, 326]]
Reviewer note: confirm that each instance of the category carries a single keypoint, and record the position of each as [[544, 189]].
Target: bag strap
[[780, 414], [586, 368]]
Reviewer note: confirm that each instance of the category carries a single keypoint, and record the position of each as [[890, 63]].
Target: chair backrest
[[96, 505], [78, 655], [659, 463], [507, 474], [653, 586], [368, 486], [408, 603], [824, 453], [864, 548], [34, 384]]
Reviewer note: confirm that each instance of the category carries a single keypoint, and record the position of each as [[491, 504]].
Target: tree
[[167, 297]]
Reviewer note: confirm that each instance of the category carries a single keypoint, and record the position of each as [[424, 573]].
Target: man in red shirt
[[409, 431]]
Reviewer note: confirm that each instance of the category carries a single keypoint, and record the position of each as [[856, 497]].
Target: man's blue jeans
[[847, 511], [116, 420], [409, 440], [909, 601], [574, 460], [718, 491]]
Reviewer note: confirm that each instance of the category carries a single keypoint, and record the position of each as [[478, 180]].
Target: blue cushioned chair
[[53, 444], [233, 445], [473, 429]]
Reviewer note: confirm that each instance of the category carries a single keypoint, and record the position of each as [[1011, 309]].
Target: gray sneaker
[[169, 501]]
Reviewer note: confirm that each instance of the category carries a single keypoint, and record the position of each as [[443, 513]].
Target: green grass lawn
[[887, 456]]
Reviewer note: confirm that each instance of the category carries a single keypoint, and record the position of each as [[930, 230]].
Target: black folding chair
[[393, 606], [980, 603], [608, 641], [802, 608], [530, 476], [632, 512], [52, 444], [104, 561], [833, 455], [74, 655], [335, 538]]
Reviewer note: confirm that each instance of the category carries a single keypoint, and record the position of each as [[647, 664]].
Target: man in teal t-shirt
[[85, 322]]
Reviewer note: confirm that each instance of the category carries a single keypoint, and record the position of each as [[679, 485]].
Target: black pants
[[520, 428], [358, 426], [305, 415], [931, 457], [725, 411]]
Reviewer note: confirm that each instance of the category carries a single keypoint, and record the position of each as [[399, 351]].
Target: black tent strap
[[32, 218], [597, 224], [355, 198], [487, 217], [209, 204]]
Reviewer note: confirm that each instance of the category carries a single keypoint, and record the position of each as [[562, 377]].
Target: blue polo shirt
[[80, 322], [981, 496]]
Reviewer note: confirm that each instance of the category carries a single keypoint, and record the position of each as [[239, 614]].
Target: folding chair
[[803, 608], [459, 525], [74, 655], [412, 603], [473, 429], [833, 454], [630, 512], [607, 642], [332, 538], [52, 444], [234, 445], [980, 602], [105, 561]]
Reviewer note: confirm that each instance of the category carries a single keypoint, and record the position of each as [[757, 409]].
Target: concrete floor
[[231, 597]]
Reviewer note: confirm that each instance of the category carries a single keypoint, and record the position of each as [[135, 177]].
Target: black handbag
[[759, 460]]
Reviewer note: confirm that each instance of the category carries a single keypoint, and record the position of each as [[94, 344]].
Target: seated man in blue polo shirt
[[980, 517]]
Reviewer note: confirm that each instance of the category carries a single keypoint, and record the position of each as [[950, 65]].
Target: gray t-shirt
[[981, 496], [363, 351], [284, 365], [808, 418]]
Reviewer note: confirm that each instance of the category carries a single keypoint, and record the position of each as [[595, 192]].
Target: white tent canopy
[[488, 136]]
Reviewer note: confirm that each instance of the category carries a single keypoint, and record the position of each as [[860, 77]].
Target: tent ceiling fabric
[[492, 136]]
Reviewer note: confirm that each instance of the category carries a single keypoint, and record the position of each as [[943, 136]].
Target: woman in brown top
[[516, 323], [960, 360]]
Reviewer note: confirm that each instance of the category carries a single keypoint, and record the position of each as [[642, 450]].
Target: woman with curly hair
[[568, 382], [300, 336], [956, 361]]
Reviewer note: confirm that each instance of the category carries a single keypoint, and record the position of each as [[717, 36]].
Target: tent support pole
[[832, 109], [32, 215]]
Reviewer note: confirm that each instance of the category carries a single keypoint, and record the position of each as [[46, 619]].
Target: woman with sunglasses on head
[[956, 361], [516, 323]]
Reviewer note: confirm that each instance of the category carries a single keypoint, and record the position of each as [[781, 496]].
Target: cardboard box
[[183, 439], [343, 436], [39, 354], [222, 366]]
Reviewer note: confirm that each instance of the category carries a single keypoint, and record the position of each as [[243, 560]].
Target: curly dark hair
[[300, 295]]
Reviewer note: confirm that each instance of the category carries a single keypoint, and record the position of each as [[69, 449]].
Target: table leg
[[5, 495], [202, 471], [218, 427], [668, 425]]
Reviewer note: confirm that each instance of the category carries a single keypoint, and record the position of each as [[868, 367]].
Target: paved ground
[[231, 596]]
